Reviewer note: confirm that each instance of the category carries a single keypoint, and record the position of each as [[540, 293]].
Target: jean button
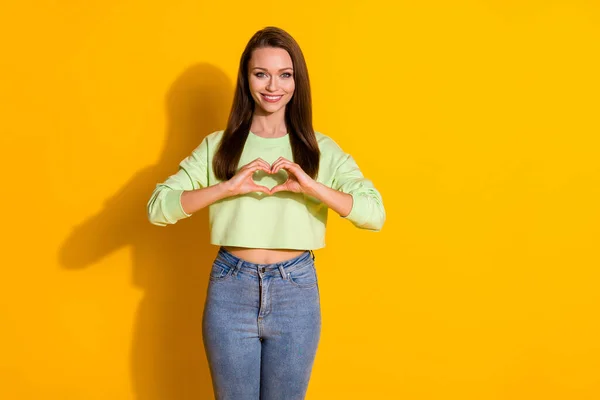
[[262, 269]]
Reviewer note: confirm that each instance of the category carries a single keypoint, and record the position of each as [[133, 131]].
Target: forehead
[[270, 58]]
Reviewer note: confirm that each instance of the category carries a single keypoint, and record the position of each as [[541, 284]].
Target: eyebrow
[[267, 69]]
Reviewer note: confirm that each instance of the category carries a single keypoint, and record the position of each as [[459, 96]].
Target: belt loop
[[313, 254], [282, 271], [237, 267]]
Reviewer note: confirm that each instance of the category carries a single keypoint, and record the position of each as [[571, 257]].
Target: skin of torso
[[263, 256]]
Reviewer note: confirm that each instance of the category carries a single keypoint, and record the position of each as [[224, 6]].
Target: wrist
[[227, 189], [314, 189]]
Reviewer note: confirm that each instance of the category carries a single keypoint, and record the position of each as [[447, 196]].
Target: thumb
[[260, 188], [277, 188]]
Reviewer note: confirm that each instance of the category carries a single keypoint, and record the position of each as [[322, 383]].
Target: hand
[[242, 181], [298, 181]]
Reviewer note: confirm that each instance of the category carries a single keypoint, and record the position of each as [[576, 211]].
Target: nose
[[272, 85]]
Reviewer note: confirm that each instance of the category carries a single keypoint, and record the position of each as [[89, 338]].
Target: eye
[[259, 73], [287, 73]]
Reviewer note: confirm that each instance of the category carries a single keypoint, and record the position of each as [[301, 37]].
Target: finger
[[258, 161], [266, 164], [277, 164], [249, 171], [287, 165], [277, 188], [280, 159], [253, 168]]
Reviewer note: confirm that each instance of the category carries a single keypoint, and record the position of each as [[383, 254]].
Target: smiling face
[[271, 79]]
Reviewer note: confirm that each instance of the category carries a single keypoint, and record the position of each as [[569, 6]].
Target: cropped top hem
[[283, 246]]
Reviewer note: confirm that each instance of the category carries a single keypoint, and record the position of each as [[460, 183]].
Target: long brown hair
[[298, 111]]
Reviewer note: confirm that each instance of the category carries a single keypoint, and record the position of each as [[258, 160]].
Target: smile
[[271, 99]]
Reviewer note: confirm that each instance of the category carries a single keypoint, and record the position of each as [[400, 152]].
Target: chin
[[270, 108]]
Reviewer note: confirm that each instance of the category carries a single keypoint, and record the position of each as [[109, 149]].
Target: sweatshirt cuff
[[356, 216], [173, 209]]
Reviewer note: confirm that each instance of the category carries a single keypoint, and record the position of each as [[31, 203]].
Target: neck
[[269, 124]]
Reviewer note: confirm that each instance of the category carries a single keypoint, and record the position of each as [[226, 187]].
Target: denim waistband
[[307, 257]]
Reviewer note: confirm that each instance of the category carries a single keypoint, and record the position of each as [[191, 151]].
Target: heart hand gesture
[[298, 181], [242, 182]]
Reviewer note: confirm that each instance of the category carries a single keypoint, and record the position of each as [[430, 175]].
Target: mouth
[[271, 99]]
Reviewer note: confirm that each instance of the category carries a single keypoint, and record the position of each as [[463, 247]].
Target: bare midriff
[[263, 256]]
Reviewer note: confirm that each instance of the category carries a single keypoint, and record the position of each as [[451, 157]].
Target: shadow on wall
[[170, 264]]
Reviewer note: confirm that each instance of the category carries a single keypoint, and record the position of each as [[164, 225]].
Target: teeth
[[272, 97]]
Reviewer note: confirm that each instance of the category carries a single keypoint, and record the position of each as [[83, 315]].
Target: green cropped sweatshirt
[[283, 220]]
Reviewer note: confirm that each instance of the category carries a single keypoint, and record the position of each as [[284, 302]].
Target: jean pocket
[[220, 271], [304, 277]]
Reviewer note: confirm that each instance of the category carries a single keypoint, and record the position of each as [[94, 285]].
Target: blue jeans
[[261, 327]]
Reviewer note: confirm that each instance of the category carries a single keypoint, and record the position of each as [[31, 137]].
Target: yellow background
[[477, 121]]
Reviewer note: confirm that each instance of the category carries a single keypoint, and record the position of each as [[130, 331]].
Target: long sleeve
[[164, 206], [367, 211]]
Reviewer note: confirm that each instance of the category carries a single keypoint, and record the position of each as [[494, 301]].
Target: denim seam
[[226, 258], [308, 286], [273, 272], [225, 277], [237, 267]]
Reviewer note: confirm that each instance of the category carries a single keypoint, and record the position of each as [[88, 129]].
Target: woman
[[268, 180]]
